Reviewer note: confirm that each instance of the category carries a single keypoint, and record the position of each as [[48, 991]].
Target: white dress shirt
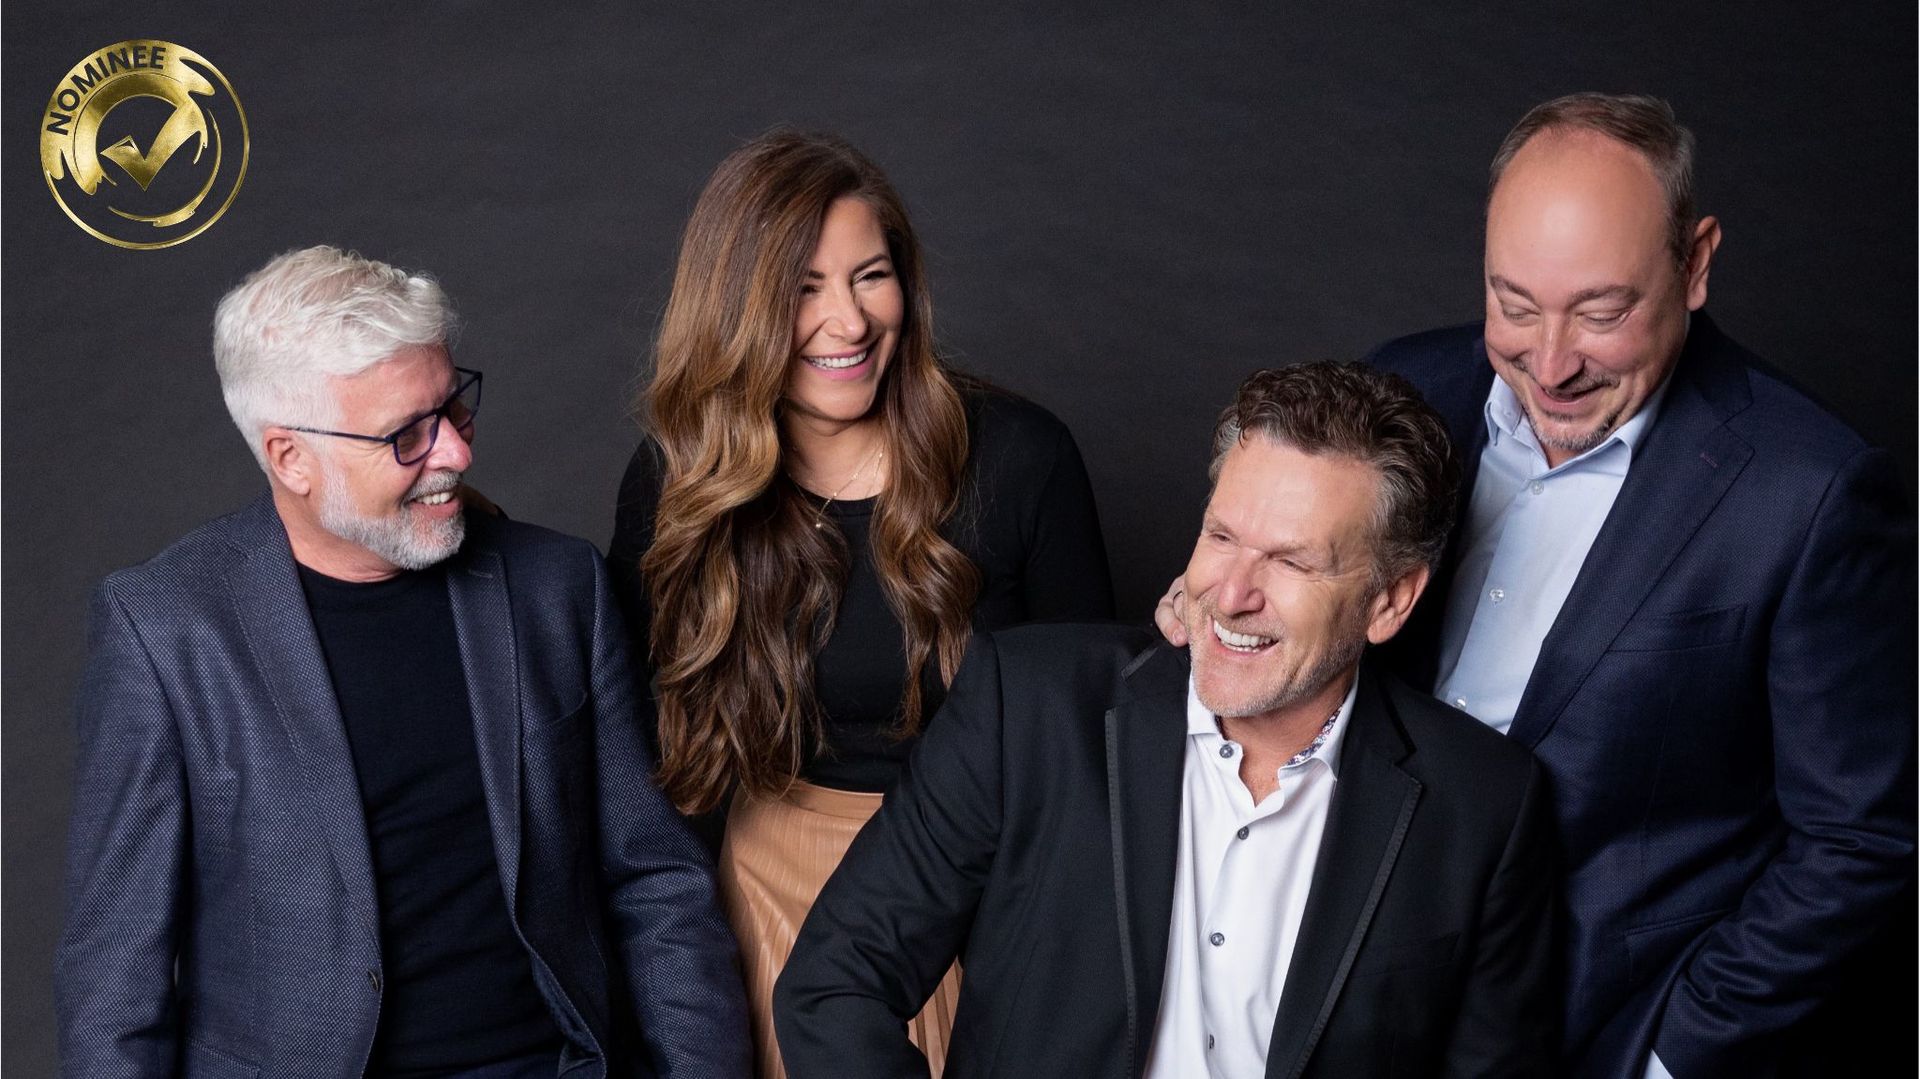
[[1528, 531], [1240, 889]]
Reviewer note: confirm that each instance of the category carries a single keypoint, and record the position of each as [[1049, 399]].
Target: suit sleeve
[[674, 947], [633, 515], [1509, 1019], [634, 511], [893, 917], [126, 861], [1840, 688], [1066, 578]]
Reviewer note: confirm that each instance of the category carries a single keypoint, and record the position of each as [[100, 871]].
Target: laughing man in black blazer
[[1267, 857]]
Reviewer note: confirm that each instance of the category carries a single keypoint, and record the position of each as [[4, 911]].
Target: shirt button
[[1460, 703], [1497, 594], [1241, 834], [1217, 939], [1227, 750], [1536, 487]]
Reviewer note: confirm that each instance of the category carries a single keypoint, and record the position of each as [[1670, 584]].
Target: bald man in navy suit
[[1689, 590]]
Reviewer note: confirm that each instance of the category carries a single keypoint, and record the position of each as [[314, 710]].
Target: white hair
[[310, 316]]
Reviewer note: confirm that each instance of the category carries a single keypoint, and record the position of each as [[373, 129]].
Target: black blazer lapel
[[1677, 477], [483, 624], [272, 609], [1373, 803], [1146, 736]]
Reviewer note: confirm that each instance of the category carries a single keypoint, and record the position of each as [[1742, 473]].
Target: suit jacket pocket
[[1651, 948], [205, 1062], [557, 789], [1386, 956], [542, 715], [1687, 629]]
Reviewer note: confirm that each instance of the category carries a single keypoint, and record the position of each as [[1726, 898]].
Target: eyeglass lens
[[416, 439]]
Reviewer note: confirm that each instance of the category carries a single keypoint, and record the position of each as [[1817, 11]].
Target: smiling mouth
[[1589, 382], [1568, 397], [443, 487], [838, 363], [1244, 643]]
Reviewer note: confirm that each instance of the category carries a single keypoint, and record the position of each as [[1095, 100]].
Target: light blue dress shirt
[[1528, 531]]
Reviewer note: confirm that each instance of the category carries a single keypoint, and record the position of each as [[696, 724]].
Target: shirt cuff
[[1655, 1069]]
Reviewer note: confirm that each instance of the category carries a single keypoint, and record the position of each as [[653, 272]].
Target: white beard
[[398, 538]]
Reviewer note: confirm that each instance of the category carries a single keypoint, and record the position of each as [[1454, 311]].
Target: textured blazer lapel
[[1373, 803], [1146, 743], [272, 608], [483, 624], [1679, 475]]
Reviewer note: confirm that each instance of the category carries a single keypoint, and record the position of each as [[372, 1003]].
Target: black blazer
[[221, 917], [1726, 707], [1034, 836]]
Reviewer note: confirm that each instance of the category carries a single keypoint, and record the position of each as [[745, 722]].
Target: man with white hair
[[361, 786]]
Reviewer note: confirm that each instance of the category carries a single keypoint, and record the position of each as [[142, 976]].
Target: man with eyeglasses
[[361, 788]]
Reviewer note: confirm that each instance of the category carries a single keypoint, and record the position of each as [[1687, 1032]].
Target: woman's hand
[[1170, 613]]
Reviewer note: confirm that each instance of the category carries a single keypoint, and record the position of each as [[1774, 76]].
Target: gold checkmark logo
[[152, 94]]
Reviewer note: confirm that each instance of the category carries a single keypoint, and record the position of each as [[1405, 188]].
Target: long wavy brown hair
[[744, 588]]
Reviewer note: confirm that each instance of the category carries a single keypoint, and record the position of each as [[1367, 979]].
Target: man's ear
[[1395, 602], [1706, 240], [290, 461]]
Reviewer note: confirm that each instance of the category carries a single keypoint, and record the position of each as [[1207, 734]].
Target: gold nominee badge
[[144, 144]]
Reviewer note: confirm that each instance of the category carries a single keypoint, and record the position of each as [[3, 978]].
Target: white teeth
[[836, 363], [440, 498], [1244, 642]]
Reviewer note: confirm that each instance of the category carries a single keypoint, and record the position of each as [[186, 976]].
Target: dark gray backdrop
[[1125, 214]]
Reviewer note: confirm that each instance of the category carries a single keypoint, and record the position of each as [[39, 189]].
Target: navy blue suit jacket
[[1725, 705], [221, 917]]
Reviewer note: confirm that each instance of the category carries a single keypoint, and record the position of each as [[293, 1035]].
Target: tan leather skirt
[[774, 859]]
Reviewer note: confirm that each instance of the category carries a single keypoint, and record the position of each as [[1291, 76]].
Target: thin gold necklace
[[820, 511]]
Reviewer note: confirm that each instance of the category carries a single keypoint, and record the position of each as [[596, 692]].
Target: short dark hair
[[1638, 121], [1352, 410]]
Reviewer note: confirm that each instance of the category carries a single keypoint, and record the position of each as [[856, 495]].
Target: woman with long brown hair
[[820, 516]]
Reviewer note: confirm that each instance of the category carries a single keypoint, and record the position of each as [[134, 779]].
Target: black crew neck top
[[459, 988], [1026, 519]]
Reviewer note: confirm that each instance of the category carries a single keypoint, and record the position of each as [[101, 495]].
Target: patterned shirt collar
[[1325, 748]]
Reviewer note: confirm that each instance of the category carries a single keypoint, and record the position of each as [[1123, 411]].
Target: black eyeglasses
[[414, 441]]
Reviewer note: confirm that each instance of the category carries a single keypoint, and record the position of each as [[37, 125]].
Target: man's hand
[[1170, 613]]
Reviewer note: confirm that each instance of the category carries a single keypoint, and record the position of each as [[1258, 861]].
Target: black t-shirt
[[459, 988], [1026, 519]]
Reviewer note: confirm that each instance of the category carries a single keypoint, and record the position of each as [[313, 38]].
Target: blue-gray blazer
[[221, 918]]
